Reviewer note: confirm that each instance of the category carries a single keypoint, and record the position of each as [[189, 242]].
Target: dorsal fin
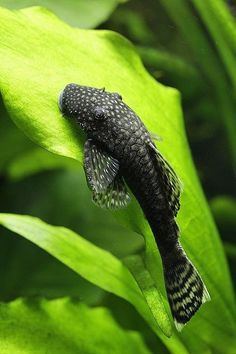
[[172, 184]]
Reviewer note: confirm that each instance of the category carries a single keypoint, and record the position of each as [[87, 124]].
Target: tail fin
[[185, 289]]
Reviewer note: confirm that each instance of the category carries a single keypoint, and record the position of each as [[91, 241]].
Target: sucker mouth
[[60, 100]]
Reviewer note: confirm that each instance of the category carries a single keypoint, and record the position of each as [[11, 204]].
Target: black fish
[[119, 150]]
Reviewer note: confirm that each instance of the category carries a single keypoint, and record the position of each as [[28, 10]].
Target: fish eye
[[117, 96], [99, 112]]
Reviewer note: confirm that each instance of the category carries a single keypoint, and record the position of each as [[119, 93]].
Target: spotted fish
[[119, 152]]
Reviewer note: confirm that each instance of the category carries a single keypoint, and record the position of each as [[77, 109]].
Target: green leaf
[[69, 144], [92, 263], [77, 253], [80, 13], [30, 93], [63, 326]]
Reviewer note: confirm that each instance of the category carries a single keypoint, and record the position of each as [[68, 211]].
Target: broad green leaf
[[30, 93], [79, 13], [69, 145], [77, 253], [92, 263], [63, 326]]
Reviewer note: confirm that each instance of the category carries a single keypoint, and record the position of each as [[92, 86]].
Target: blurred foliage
[[224, 211], [81, 13], [190, 45]]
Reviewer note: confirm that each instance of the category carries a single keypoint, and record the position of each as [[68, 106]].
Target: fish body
[[119, 151]]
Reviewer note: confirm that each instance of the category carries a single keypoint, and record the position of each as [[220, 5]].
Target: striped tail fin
[[185, 289]]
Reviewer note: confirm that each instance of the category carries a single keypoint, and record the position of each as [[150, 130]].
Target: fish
[[121, 158]]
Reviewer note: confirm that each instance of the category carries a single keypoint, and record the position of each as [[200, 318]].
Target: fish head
[[88, 106]]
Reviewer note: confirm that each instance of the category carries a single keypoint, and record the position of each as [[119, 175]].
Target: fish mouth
[[60, 99]]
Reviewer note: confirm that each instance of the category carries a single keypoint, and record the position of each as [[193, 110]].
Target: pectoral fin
[[103, 177], [100, 168], [116, 195]]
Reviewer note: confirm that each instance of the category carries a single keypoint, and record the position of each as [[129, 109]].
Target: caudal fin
[[185, 289]]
